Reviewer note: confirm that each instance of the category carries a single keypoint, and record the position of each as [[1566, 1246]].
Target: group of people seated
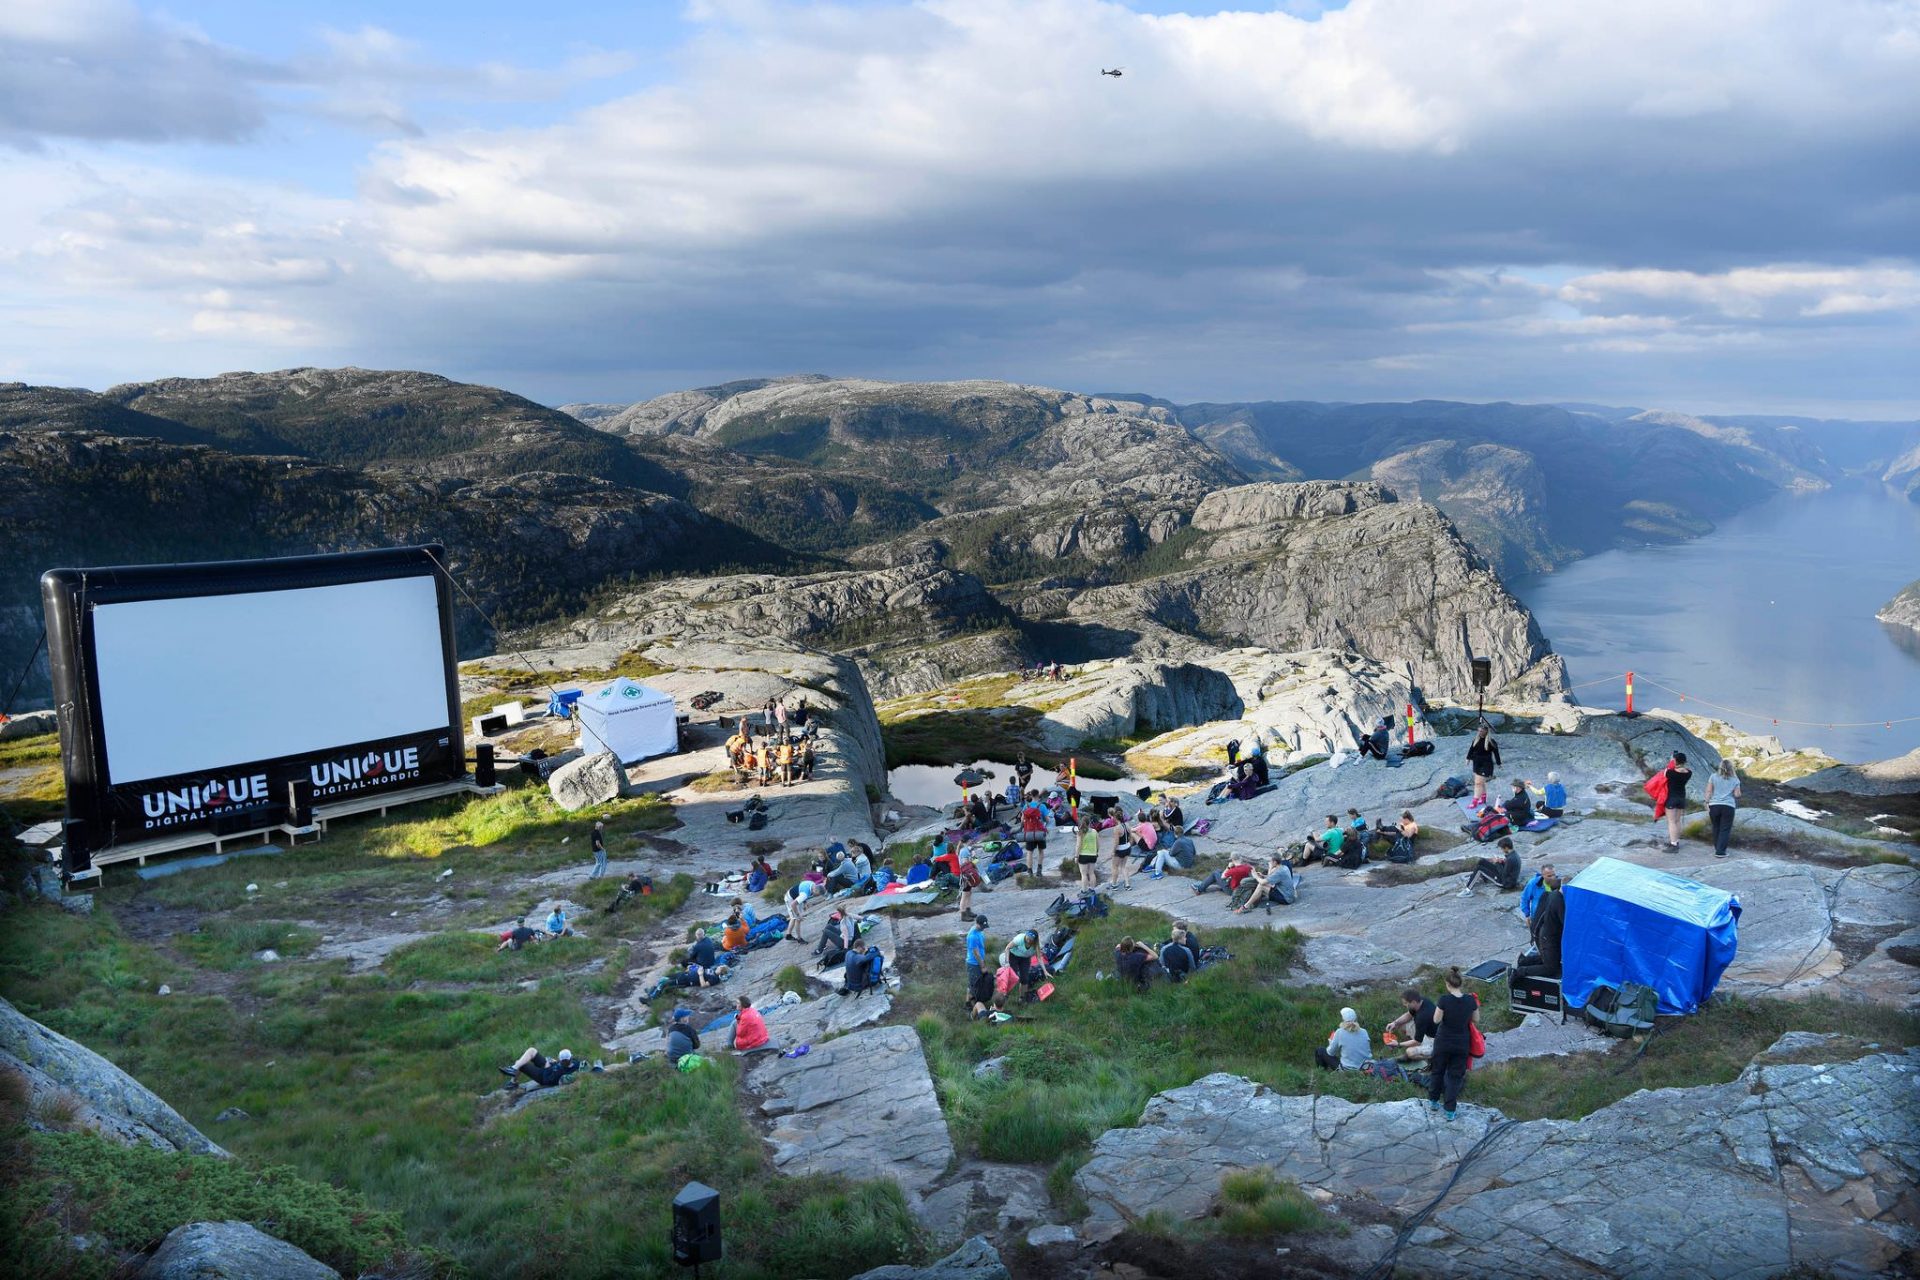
[[1138, 963], [1044, 671], [1351, 843], [1443, 1035], [779, 755], [556, 926]]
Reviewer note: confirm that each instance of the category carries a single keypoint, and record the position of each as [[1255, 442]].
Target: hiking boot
[[1452, 1115], [1433, 1105], [511, 1073], [966, 915], [1465, 893]]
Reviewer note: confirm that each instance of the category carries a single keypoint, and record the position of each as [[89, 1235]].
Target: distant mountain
[[925, 528], [359, 417], [1903, 473], [592, 413]]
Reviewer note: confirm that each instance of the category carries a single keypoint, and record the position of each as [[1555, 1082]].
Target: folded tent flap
[[1628, 924]]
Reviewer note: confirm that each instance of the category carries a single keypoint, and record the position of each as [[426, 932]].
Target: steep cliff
[[1497, 497], [1393, 580]]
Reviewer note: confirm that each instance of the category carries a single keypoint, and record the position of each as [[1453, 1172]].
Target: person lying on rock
[[1414, 1028], [557, 926], [1505, 873], [1227, 878], [1347, 1048], [542, 1070], [682, 1039], [519, 936], [749, 1029]]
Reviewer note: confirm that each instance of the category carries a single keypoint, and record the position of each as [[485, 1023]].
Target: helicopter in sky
[[1116, 72]]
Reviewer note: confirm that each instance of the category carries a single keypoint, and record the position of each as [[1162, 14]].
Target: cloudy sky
[[1681, 203]]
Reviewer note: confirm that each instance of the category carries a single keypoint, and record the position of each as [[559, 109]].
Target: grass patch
[[792, 978], [471, 957], [357, 1083], [718, 780], [130, 1197], [1256, 1205], [1390, 873], [1089, 1058], [232, 944]]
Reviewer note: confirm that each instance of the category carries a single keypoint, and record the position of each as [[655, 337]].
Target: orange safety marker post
[[1629, 710], [1409, 724]]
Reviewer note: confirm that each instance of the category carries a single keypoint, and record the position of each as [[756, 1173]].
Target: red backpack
[[1490, 825]]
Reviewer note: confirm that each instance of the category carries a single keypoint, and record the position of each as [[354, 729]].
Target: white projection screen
[[198, 683]]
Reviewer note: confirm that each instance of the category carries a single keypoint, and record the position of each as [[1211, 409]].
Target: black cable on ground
[[1384, 1267], [6, 709]]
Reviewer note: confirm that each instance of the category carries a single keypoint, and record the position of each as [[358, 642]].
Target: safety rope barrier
[[1630, 676], [532, 668]]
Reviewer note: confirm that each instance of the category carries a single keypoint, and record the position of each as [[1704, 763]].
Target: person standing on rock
[[1453, 1019], [976, 951], [599, 843], [1483, 755], [1723, 791], [1678, 775], [1023, 772], [1087, 853], [1121, 850]]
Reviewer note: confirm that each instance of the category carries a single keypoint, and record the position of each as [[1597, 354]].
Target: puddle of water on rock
[[932, 785]]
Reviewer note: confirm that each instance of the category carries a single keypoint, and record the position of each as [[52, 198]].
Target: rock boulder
[[229, 1251], [112, 1103], [1787, 1169], [864, 1101], [974, 1260], [591, 780]]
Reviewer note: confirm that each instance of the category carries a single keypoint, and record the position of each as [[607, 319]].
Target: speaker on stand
[[483, 765], [696, 1226]]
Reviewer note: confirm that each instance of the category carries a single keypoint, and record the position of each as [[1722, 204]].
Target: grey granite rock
[[863, 1101], [974, 1260], [230, 1251], [112, 1103], [595, 779], [1789, 1167]]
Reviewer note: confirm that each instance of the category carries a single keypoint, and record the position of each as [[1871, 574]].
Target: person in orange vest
[[786, 763]]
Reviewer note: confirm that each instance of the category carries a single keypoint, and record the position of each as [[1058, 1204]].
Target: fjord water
[[1771, 613]]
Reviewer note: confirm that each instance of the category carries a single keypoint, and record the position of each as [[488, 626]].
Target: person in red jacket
[[749, 1028]]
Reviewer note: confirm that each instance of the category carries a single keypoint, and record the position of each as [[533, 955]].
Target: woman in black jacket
[[1482, 755]]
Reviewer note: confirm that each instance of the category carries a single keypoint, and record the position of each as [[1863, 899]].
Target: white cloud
[[1444, 192]]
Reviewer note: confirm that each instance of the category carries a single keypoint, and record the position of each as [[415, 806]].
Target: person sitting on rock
[[852, 876], [733, 933], [1278, 882], [519, 936], [1135, 963], [542, 1070], [884, 875], [1546, 927], [1504, 873], [557, 926], [1178, 851], [1553, 801], [682, 1039], [1405, 832], [1326, 846], [1226, 878], [1347, 1048], [1414, 1028], [1519, 806], [749, 1029], [861, 970], [1375, 744], [760, 874]]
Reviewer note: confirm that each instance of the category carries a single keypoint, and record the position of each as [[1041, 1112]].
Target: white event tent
[[628, 719]]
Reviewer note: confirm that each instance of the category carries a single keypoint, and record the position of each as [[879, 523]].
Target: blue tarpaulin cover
[[1628, 923]]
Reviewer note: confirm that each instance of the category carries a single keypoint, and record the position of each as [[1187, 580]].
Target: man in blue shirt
[[976, 950]]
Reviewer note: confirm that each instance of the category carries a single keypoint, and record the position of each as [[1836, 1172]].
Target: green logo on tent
[[631, 691]]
